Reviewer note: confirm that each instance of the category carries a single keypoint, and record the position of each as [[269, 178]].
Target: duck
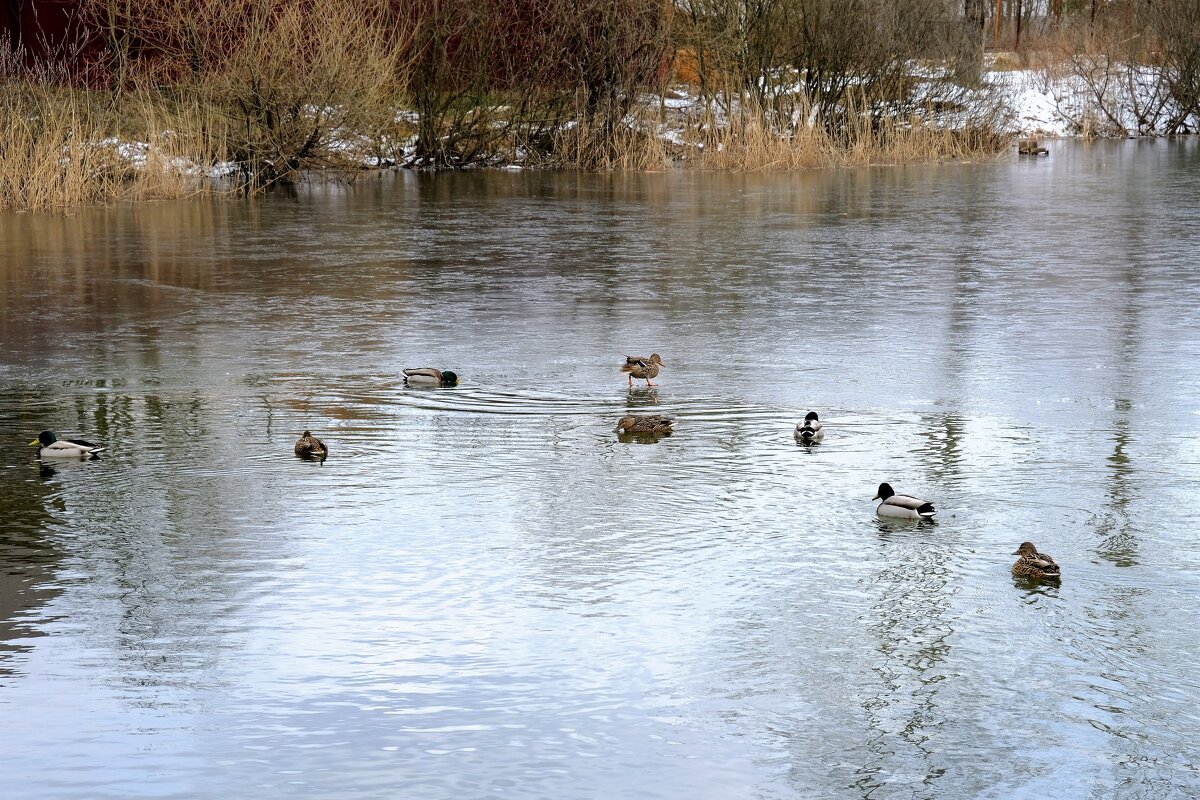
[[643, 368], [309, 446], [50, 446], [901, 505], [652, 423], [1033, 564], [428, 376], [810, 430]]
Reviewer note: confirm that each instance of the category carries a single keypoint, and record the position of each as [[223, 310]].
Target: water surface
[[482, 592]]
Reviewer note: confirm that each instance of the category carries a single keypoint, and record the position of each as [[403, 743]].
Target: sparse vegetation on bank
[[183, 96]]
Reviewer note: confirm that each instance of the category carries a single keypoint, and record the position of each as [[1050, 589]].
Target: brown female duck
[[309, 446], [652, 423], [1033, 564], [643, 368]]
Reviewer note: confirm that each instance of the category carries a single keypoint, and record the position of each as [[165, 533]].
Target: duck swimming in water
[[428, 376], [1033, 564], [309, 446], [50, 446], [652, 423], [901, 506], [810, 430]]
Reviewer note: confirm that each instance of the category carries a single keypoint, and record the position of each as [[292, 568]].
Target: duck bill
[[876, 497], [1016, 552], [31, 444]]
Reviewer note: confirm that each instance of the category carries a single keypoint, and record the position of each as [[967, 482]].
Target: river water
[[483, 592]]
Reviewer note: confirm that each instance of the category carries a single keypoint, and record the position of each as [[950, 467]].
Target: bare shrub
[[294, 81], [477, 81], [491, 74], [802, 61], [1176, 25], [1135, 67]]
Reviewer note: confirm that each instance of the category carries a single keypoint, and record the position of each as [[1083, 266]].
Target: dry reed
[[284, 88], [750, 141], [62, 147], [604, 144]]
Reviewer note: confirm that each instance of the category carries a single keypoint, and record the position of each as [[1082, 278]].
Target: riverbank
[[67, 147], [168, 98]]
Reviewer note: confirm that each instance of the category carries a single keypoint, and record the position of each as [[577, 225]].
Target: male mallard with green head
[[309, 446], [651, 423], [49, 446], [428, 376], [1033, 564], [901, 506], [642, 368]]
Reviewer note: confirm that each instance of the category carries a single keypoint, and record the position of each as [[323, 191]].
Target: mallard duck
[[642, 368], [1033, 564], [810, 429], [309, 446], [652, 423], [901, 505], [49, 446], [428, 376]]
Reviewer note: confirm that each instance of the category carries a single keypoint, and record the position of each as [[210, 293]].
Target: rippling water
[[482, 592]]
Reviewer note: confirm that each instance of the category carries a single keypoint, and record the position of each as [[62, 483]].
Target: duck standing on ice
[[642, 368]]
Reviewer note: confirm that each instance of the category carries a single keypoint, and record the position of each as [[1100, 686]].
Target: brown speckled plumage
[[652, 423], [1033, 564], [642, 367], [309, 446]]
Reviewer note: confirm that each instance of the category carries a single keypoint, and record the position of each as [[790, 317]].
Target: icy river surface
[[484, 592]]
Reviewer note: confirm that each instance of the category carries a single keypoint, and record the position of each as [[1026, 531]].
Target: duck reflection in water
[[642, 396], [60, 466]]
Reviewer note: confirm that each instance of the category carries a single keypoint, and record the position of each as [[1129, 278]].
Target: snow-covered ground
[[1090, 99], [1034, 103]]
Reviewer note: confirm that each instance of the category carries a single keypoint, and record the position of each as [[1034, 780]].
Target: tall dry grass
[[286, 85], [47, 156], [750, 140], [282, 89], [62, 147], [609, 142]]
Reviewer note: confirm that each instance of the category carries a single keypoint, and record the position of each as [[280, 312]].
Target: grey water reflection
[[28, 560], [484, 590]]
